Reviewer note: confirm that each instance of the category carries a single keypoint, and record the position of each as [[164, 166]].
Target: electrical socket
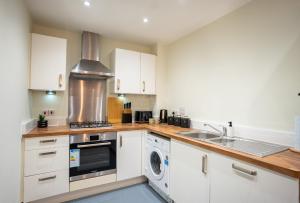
[[182, 111], [51, 112], [48, 112], [45, 112]]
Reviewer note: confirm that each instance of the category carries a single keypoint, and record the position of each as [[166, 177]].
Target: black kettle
[[163, 116]]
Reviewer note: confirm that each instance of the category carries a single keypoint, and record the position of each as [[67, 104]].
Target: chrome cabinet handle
[[204, 164], [47, 153], [121, 141], [94, 145], [48, 141], [118, 84], [243, 170], [144, 86], [60, 81], [47, 178]]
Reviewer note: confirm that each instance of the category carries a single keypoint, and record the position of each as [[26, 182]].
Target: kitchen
[[166, 101]]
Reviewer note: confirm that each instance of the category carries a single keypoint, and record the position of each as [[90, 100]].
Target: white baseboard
[[287, 138]]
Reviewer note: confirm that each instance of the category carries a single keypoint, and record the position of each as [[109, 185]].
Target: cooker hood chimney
[[90, 60]]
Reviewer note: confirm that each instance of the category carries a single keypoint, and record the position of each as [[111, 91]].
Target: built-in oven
[[92, 155]]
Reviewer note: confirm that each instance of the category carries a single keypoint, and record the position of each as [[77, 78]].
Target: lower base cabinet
[[234, 181], [46, 185], [46, 167], [129, 154], [200, 176], [189, 173]]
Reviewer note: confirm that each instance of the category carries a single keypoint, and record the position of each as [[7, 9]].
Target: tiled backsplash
[[141, 102]]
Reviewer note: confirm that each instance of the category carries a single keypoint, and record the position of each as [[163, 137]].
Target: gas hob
[[90, 124]]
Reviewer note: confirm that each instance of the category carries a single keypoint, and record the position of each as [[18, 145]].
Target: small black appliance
[[142, 116], [163, 116]]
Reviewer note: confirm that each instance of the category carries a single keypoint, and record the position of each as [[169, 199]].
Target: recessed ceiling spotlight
[[87, 3], [145, 20]]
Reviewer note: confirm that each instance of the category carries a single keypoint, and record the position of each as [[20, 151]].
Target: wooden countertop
[[286, 162]]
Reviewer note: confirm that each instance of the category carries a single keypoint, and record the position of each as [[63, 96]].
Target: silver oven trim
[[82, 138], [92, 175]]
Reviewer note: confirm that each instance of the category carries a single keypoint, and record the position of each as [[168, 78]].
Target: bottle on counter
[[230, 132]]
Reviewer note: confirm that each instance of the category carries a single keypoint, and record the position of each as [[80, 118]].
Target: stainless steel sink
[[254, 147], [198, 135]]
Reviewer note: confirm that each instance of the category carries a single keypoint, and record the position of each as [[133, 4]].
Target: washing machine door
[[156, 164]]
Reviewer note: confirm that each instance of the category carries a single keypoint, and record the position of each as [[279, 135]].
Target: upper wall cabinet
[[48, 63], [148, 73], [134, 72]]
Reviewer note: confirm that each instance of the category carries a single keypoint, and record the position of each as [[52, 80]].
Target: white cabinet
[[147, 73], [189, 173], [127, 71], [46, 160], [45, 185], [48, 62], [46, 167], [129, 154], [46, 142], [235, 181], [134, 72]]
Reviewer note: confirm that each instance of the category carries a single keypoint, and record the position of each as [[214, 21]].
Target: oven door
[[92, 159]]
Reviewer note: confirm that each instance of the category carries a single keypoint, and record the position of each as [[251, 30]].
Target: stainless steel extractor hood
[[90, 59], [88, 84]]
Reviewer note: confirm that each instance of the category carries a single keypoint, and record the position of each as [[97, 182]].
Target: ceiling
[[169, 20]]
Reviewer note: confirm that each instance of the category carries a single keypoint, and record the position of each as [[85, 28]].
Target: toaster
[[142, 116]]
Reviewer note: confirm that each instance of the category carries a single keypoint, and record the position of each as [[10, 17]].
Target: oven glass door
[[92, 157]]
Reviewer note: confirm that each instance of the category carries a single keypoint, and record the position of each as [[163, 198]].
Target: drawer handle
[[121, 141], [48, 141], [47, 178], [243, 170], [47, 153], [204, 164]]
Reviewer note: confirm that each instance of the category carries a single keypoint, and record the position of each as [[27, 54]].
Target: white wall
[[244, 67], [161, 79], [14, 108]]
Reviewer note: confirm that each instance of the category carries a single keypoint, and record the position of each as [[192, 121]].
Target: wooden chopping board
[[115, 108]]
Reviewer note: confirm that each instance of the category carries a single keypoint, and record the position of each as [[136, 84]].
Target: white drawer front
[[46, 142], [46, 185], [46, 160]]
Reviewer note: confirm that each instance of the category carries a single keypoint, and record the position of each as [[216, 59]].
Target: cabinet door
[[48, 63], [148, 73], [129, 154], [231, 181], [189, 174], [127, 71]]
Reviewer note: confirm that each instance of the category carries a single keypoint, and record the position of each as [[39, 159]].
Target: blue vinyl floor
[[140, 193]]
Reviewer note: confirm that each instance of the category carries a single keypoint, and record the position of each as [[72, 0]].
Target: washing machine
[[157, 168]]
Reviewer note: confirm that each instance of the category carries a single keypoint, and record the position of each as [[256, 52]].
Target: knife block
[[127, 116]]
